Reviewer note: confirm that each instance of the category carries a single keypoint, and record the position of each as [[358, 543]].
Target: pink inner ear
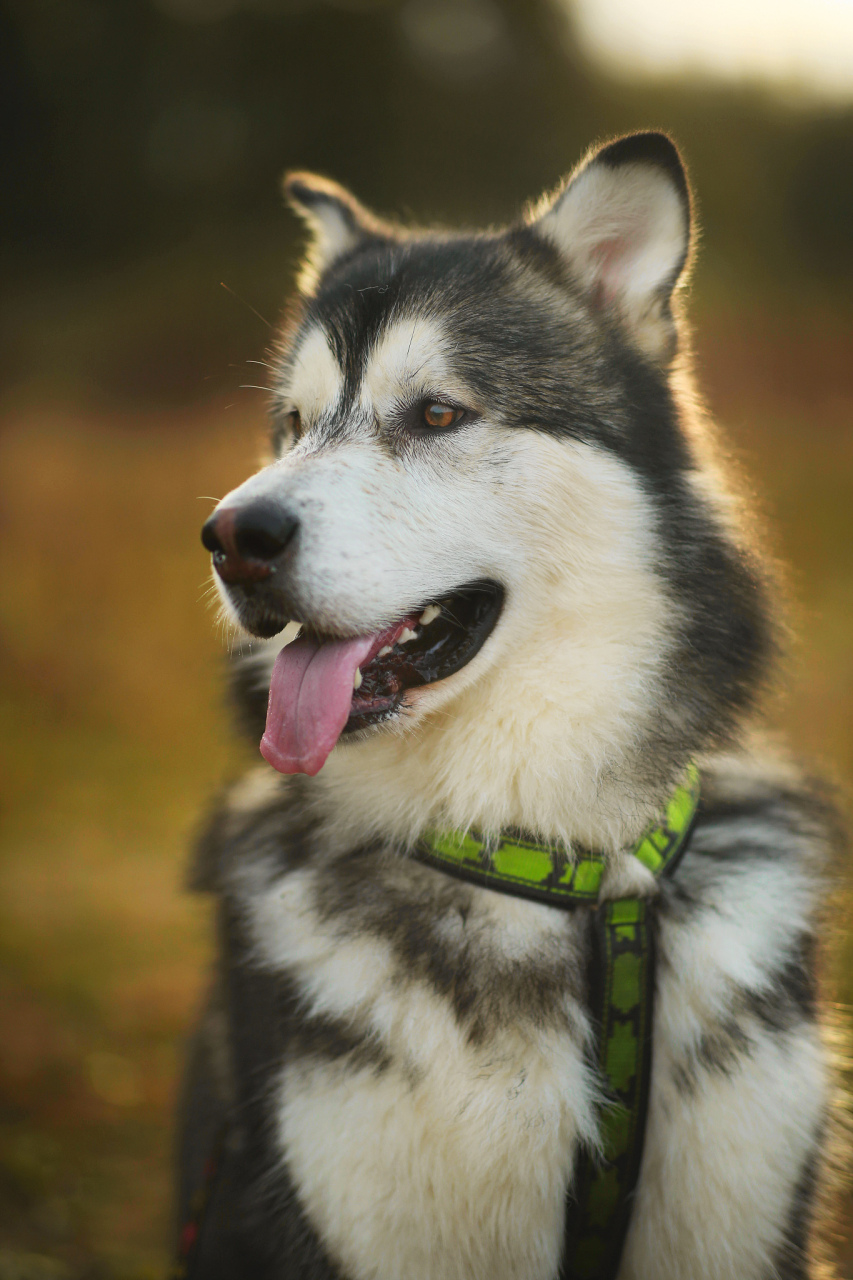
[[609, 258]]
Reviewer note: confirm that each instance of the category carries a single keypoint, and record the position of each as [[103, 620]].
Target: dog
[[497, 585]]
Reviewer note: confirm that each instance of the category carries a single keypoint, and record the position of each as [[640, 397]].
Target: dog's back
[[528, 604]]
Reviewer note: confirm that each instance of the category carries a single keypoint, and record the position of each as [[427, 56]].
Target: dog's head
[[481, 477]]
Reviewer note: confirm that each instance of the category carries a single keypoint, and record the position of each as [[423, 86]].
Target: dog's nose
[[244, 541]]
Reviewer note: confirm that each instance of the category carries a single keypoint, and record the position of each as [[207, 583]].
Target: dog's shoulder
[[763, 825], [740, 922], [741, 917], [739, 1042]]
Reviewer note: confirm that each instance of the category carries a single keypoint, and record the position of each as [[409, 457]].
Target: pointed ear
[[335, 218], [622, 223]]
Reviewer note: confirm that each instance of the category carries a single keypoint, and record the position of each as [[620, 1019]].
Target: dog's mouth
[[323, 687]]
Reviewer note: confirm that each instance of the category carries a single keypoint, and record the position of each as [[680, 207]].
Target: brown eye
[[438, 417], [294, 424]]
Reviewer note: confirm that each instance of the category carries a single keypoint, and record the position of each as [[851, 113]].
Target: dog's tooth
[[406, 635], [429, 614], [291, 632], [357, 678], [386, 648]]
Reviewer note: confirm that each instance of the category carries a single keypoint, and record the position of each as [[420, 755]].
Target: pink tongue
[[310, 697]]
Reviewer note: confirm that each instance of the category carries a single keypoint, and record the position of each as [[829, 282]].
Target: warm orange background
[[124, 405]]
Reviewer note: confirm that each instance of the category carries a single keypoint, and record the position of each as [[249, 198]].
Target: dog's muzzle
[[329, 681]]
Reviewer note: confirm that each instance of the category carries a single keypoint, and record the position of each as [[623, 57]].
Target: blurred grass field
[[116, 733]]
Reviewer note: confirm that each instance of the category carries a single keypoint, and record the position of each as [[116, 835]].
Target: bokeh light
[[803, 46]]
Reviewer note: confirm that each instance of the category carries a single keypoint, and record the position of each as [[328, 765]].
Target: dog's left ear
[[622, 223], [335, 218]]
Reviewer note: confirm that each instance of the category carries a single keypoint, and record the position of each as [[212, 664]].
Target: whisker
[[254, 310]]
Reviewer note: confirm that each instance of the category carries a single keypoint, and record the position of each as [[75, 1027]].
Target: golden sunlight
[[804, 46]]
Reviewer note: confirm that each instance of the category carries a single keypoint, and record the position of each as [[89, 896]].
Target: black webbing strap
[[185, 1266]]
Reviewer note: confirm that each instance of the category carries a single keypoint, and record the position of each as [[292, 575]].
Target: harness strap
[[514, 863], [622, 987], [186, 1262], [621, 997]]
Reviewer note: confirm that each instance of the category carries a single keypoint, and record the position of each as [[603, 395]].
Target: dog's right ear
[[335, 218]]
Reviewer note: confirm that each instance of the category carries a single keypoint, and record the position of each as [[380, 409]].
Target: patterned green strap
[[515, 864], [622, 992], [598, 1212]]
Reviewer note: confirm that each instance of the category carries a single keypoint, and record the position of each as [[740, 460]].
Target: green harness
[[622, 988]]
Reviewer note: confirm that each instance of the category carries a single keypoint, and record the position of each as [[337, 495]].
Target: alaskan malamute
[[531, 634]]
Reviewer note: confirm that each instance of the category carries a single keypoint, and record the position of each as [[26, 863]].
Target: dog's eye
[[294, 424], [438, 417]]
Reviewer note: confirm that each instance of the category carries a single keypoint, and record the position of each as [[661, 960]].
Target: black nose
[[245, 540]]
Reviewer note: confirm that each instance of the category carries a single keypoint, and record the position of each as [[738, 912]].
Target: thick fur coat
[[397, 1065]]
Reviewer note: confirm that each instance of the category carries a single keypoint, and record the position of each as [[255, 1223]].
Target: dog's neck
[[579, 781]]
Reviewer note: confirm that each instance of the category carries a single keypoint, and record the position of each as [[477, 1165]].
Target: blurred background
[[141, 145]]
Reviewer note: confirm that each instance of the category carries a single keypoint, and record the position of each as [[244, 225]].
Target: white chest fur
[[451, 1159], [445, 1155]]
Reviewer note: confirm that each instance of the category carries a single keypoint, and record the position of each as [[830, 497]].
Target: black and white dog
[[501, 586]]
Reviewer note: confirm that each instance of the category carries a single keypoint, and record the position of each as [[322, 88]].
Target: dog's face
[[464, 481]]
